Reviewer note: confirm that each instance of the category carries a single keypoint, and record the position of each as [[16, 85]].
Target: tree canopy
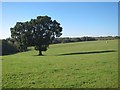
[[38, 32]]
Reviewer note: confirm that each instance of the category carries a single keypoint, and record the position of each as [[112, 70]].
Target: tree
[[44, 31], [18, 34], [39, 32]]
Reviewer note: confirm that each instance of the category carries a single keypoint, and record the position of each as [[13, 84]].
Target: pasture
[[92, 64]]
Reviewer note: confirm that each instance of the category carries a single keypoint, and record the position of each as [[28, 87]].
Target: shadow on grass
[[39, 55], [92, 52]]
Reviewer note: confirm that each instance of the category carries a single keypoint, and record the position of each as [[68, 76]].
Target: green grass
[[71, 65]]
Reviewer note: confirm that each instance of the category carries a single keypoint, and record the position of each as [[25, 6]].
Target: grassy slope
[[99, 70]]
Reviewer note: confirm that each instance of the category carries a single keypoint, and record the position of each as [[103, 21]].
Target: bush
[[7, 48]]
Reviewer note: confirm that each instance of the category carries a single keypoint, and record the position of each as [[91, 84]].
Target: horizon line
[[77, 36]]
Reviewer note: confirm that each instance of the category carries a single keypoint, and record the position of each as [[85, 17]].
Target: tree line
[[81, 39]]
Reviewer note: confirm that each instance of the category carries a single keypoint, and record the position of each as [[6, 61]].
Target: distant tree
[[38, 32], [117, 37]]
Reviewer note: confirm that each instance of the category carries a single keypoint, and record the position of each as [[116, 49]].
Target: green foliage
[[55, 70], [0, 47], [8, 48], [19, 36], [81, 39], [38, 32], [107, 37]]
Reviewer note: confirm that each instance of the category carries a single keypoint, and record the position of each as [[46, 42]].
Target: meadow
[[91, 64]]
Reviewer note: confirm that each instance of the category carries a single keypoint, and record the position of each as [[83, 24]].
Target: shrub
[[7, 48]]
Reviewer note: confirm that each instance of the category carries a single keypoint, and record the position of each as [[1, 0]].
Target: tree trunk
[[40, 53]]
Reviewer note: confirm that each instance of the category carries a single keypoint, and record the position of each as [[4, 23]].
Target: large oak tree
[[38, 32]]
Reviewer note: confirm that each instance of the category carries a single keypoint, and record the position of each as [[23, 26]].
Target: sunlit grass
[[56, 70]]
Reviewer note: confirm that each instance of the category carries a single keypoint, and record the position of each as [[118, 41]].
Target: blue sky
[[77, 19]]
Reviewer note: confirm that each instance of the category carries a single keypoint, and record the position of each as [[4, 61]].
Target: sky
[[60, 0], [77, 18]]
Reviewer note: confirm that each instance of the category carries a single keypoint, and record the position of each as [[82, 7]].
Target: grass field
[[91, 64]]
